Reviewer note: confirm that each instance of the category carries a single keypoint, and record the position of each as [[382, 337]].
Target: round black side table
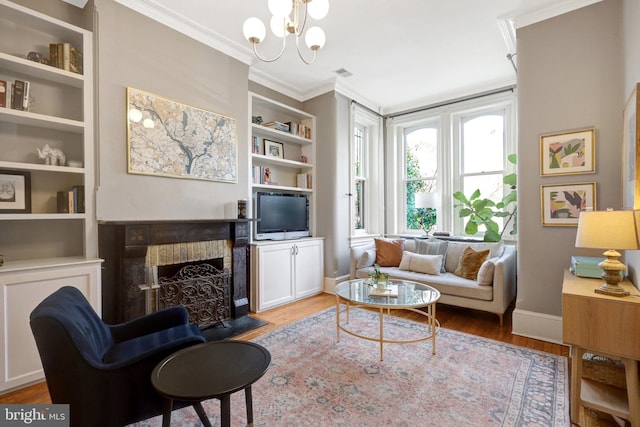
[[210, 370]]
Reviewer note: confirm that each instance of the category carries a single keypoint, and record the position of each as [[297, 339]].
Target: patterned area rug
[[470, 381]]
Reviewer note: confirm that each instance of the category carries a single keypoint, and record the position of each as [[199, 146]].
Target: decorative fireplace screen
[[202, 289]]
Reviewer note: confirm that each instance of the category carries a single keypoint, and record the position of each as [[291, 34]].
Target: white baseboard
[[331, 282], [539, 326]]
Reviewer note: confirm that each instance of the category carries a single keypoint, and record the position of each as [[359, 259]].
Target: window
[[457, 147], [420, 175], [360, 179], [366, 192]]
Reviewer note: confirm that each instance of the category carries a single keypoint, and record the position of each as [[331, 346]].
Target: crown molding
[[551, 10], [153, 10], [77, 3], [271, 82]]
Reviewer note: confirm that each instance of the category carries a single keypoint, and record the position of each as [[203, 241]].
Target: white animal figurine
[[52, 156]]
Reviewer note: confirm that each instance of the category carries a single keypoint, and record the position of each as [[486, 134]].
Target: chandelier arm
[[263, 59], [315, 53], [300, 28]]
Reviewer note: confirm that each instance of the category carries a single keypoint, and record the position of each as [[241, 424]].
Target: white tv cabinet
[[285, 271]]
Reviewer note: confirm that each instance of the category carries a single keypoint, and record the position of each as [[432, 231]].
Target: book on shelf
[[255, 146], [66, 57], [78, 198], [277, 126], [72, 200], [17, 95], [25, 96], [3, 93], [300, 129], [304, 180], [53, 54], [65, 202]]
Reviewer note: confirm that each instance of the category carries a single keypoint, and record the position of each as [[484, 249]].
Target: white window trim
[[374, 170], [447, 163]]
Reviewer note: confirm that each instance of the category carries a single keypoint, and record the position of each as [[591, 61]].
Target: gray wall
[[332, 157], [138, 52], [569, 76], [631, 49]]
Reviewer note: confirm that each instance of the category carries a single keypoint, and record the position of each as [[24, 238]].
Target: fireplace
[[203, 265]]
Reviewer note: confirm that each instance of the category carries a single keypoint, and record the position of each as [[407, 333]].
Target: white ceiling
[[402, 54]]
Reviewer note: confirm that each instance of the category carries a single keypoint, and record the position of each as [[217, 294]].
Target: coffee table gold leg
[[432, 320], [338, 318], [381, 333]]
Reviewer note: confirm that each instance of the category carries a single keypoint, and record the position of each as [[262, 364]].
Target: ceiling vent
[[343, 73]]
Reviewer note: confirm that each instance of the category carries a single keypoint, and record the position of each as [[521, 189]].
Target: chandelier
[[288, 19]]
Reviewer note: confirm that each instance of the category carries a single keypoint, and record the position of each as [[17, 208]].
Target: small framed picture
[[562, 204], [15, 191], [568, 152], [273, 149]]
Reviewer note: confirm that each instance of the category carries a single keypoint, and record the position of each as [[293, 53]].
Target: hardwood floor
[[469, 321]]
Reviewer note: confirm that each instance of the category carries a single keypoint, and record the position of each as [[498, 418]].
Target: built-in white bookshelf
[[43, 249]]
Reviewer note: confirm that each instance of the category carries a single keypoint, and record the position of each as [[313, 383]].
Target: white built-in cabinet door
[[308, 256], [282, 272], [274, 269], [22, 288]]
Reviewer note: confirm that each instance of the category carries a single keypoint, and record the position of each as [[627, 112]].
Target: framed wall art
[[631, 152], [562, 204], [15, 191], [568, 152], [168, 138], [273, 149]]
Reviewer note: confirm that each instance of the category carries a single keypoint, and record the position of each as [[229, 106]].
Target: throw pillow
[[389, 252], [470, 263], [455, 250], [433, 247], [485, 273], [428, 264], [367, 259]]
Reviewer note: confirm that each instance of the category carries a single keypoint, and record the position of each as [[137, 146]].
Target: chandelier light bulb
[[315, 38], [278, 26], [318, 9], [254, 30], [280, 8]]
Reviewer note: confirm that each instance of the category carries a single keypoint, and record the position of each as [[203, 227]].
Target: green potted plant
[[482, 211], [379, 278]]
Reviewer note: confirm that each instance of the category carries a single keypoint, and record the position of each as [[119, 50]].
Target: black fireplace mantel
[[123, 245]]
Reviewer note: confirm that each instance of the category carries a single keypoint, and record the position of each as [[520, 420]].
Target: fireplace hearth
[[131, 248]]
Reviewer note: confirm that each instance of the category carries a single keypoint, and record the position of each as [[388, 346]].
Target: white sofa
[[495, 297]]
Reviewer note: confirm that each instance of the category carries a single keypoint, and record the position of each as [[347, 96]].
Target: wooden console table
[[608, 326]]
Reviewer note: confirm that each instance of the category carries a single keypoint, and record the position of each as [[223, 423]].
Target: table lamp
[[606, 230], [426, 201]]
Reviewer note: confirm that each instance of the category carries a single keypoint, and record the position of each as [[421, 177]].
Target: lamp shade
[[425, 200], [607, 230]]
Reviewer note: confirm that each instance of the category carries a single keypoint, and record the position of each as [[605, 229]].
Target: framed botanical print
[[562, 204], [568, 152]]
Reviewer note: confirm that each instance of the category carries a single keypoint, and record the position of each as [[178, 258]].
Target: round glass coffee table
[[399, 295]]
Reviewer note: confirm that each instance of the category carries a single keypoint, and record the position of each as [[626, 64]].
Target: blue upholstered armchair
[[103, 371]]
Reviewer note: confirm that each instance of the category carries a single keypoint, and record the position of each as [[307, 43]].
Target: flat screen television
[[281, 216]]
